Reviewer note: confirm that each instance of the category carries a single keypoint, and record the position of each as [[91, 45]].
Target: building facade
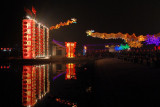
[[58, 50], [70, 49], [35, 40]]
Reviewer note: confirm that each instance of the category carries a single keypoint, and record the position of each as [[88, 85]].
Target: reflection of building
[[70, 49], [35, 39], [58, 68], [58, 49], [70, 71], [35, 83]]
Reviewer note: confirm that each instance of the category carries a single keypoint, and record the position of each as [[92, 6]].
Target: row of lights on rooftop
[[28, 17]]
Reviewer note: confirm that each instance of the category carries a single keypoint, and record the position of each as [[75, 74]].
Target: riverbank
[[52, 60]]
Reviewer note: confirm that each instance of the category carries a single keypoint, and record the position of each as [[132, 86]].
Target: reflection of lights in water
[[34, 82], [70, 71], [66, 102], [58, 76]]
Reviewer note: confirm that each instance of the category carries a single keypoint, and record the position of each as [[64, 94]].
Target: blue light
[[121, 47]]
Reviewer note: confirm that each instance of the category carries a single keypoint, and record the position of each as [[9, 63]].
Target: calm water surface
[[107, 83], [44, 85]]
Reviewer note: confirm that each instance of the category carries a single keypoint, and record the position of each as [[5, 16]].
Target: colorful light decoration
[[4, 67], [34, 84], [84, 50], [6, 49], [70, 49], [35, 39], [157, 48], [73, 20], [132, 40], [121, 47], [70, 71], [151, 39]]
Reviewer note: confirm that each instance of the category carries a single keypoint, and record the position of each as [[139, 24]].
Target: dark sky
[[110, 16]]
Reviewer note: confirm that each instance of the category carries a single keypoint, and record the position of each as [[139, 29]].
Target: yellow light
[[68, 44], [85, 47]]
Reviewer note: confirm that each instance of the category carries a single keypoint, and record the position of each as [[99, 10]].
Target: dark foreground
[[119, 84], [109, 83], [103, 83]]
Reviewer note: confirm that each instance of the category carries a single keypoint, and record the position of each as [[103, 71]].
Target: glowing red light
[[70, 49], [70, 71]]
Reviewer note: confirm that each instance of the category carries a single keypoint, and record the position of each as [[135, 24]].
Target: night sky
[[110, 16]]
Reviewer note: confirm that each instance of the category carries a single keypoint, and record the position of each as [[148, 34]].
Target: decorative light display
[[132, 40], [84, 50], [151, 39], [6, 49], [35, 39], [73, 20], [70, 49], [121, 47], [5, 67], [157, 48], [33, 84], [70, 71]]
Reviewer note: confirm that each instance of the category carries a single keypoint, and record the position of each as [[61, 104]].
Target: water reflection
[[58, 68], [66, 102], [35, 83], [4, 66], [70, 71]]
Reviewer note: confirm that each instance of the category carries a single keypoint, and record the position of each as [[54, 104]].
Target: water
[[104, 83], [44, 85]]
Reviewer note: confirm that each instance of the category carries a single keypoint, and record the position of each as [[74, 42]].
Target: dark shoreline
[[43, 61]]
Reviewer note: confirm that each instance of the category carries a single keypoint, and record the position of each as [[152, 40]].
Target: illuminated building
[[70, 49], [35, 39], [35, 83], [58, 49], [70, 71]]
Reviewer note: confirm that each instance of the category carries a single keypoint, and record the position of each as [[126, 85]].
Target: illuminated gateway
[[35, 40]]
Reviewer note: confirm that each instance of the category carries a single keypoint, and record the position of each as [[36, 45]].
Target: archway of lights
[[132, 40]]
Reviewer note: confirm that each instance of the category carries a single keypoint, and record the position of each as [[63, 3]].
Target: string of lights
[[73, 20]]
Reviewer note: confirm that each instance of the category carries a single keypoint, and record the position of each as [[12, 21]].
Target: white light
[[28, 17]]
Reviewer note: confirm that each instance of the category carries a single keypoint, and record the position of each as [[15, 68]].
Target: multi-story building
[[35, 40]]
